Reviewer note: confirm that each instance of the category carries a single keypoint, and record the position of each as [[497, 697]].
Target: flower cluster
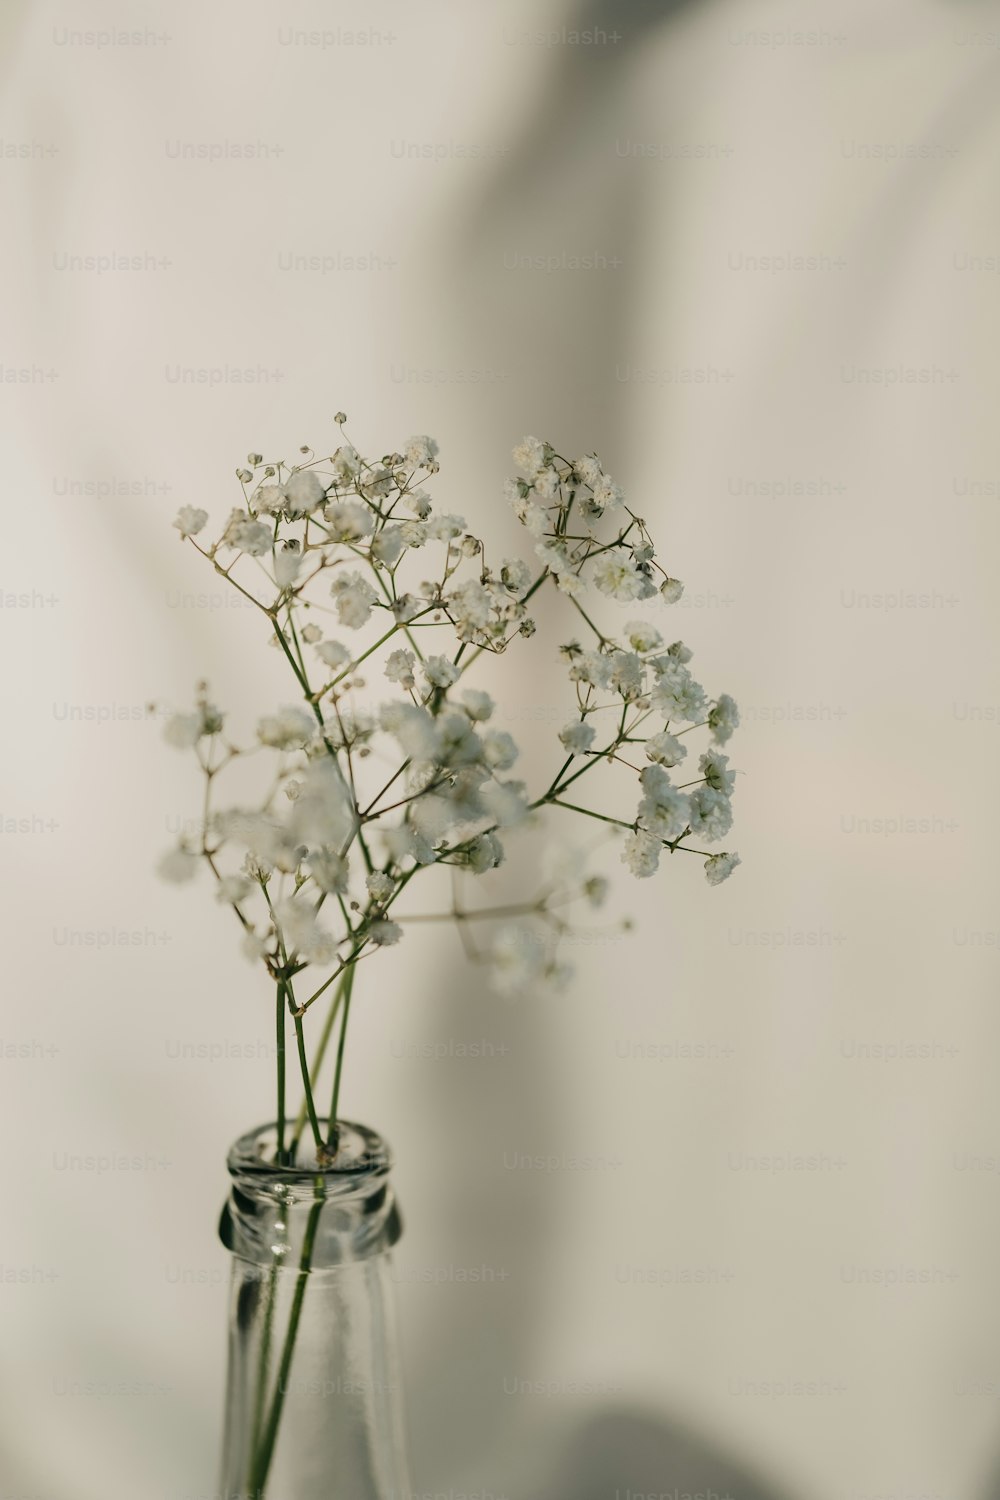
[[350, 564]]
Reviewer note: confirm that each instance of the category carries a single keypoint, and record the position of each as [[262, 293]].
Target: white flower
[[506, 802], [589, 469], [643, 637], [178, 866], [485, 853], [529, 456], [608, 495], [546, 484], [723, 719], [714, 767], [354, 597], [665, 749], [189, 520], [421, 451], [577, 737], [671, 590], [404, 842], [234, 889], [256, 869], [618, 577], [333, 653], [460, 745], [387, 547], [252, 945], [469, 606], [418, 502], [711, 814], [515, 575], [554, 556], [329, 871], [287, 562], [267, 500], [247, 535], [663, 811], [440, 671], [499, 750], [569, 584], [311, 634], [385, 933], [303, 933], [680, 652], [676, 695], [445, 528], [478, 705], [304, 493], [641, 852], [414, 728], [183, 730], [323, 812], [593, 667], [399, 668], [627, 674], [349, 520], [719, 867], [289, 729], [346, 464], [380, 886]]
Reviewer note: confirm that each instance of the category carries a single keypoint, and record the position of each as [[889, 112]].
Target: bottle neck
[[313, 1405], [337, 1211]]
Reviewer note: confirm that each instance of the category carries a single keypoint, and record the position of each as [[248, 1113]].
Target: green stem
[[317, 1063], [331, 1137], [304, 1065], [265, 1448], [280, 1037]]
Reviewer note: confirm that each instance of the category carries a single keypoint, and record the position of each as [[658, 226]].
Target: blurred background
[[747, 250]]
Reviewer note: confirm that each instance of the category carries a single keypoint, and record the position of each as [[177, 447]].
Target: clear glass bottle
[[313, 1403]]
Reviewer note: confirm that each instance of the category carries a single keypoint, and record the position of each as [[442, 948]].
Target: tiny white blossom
[[385, 933], [719, 867], [499, 750], [183, 730], [354, 597], [303, 933], [641, 852], [234, 889], [380, 886], [247, 535], [439, 671], [608, 495], [506, 802], [334, 653], [349, 520], [189, 520], [676, 695], [618, 577], [399, 668], [589, 469], [671, 590], [711, 814], [289, 729], [304, 493], [714, 767], [287, 562], [414, 728], [665, 749], [485, 853], [267, 500], [570, 584], [311, 634], [577, 737], [723, 719], [643, 637], [529, 456], [421, 451], [517, 958], [478, 705], [663, 811], [515, 575], [387, 547], [329, 871]]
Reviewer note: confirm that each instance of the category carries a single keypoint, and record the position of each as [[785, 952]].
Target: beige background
[[701, 382]]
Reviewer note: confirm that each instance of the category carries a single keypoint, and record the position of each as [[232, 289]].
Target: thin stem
[[304, 1065], [331, 1137], [280, 1036], [317, 1063]]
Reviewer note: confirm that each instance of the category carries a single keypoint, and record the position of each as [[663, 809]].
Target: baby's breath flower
[[439, 671], [723, 719], [714, 767], [485, 853], [304, 493], [499, 750], [380, 886], [663, 810], [354, 597], [577, 737], [385, 933], [619, 577], [387, 547], [329, 870], [246, 535], [665, 749], [311, 634], [421, 451], [676, 695], [529, 456], [478, 705], [289, 729], [333, 653], [642, 636], [719, 867], [349, 520], [641, 852], [671, 590], [189, 520], [399, 668], [234, 889], [711, 814]]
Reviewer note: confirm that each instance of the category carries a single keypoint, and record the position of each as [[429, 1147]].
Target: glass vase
[[313, 1400]]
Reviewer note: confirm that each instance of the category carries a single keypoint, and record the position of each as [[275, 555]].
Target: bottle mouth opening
[[357, 1154]]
